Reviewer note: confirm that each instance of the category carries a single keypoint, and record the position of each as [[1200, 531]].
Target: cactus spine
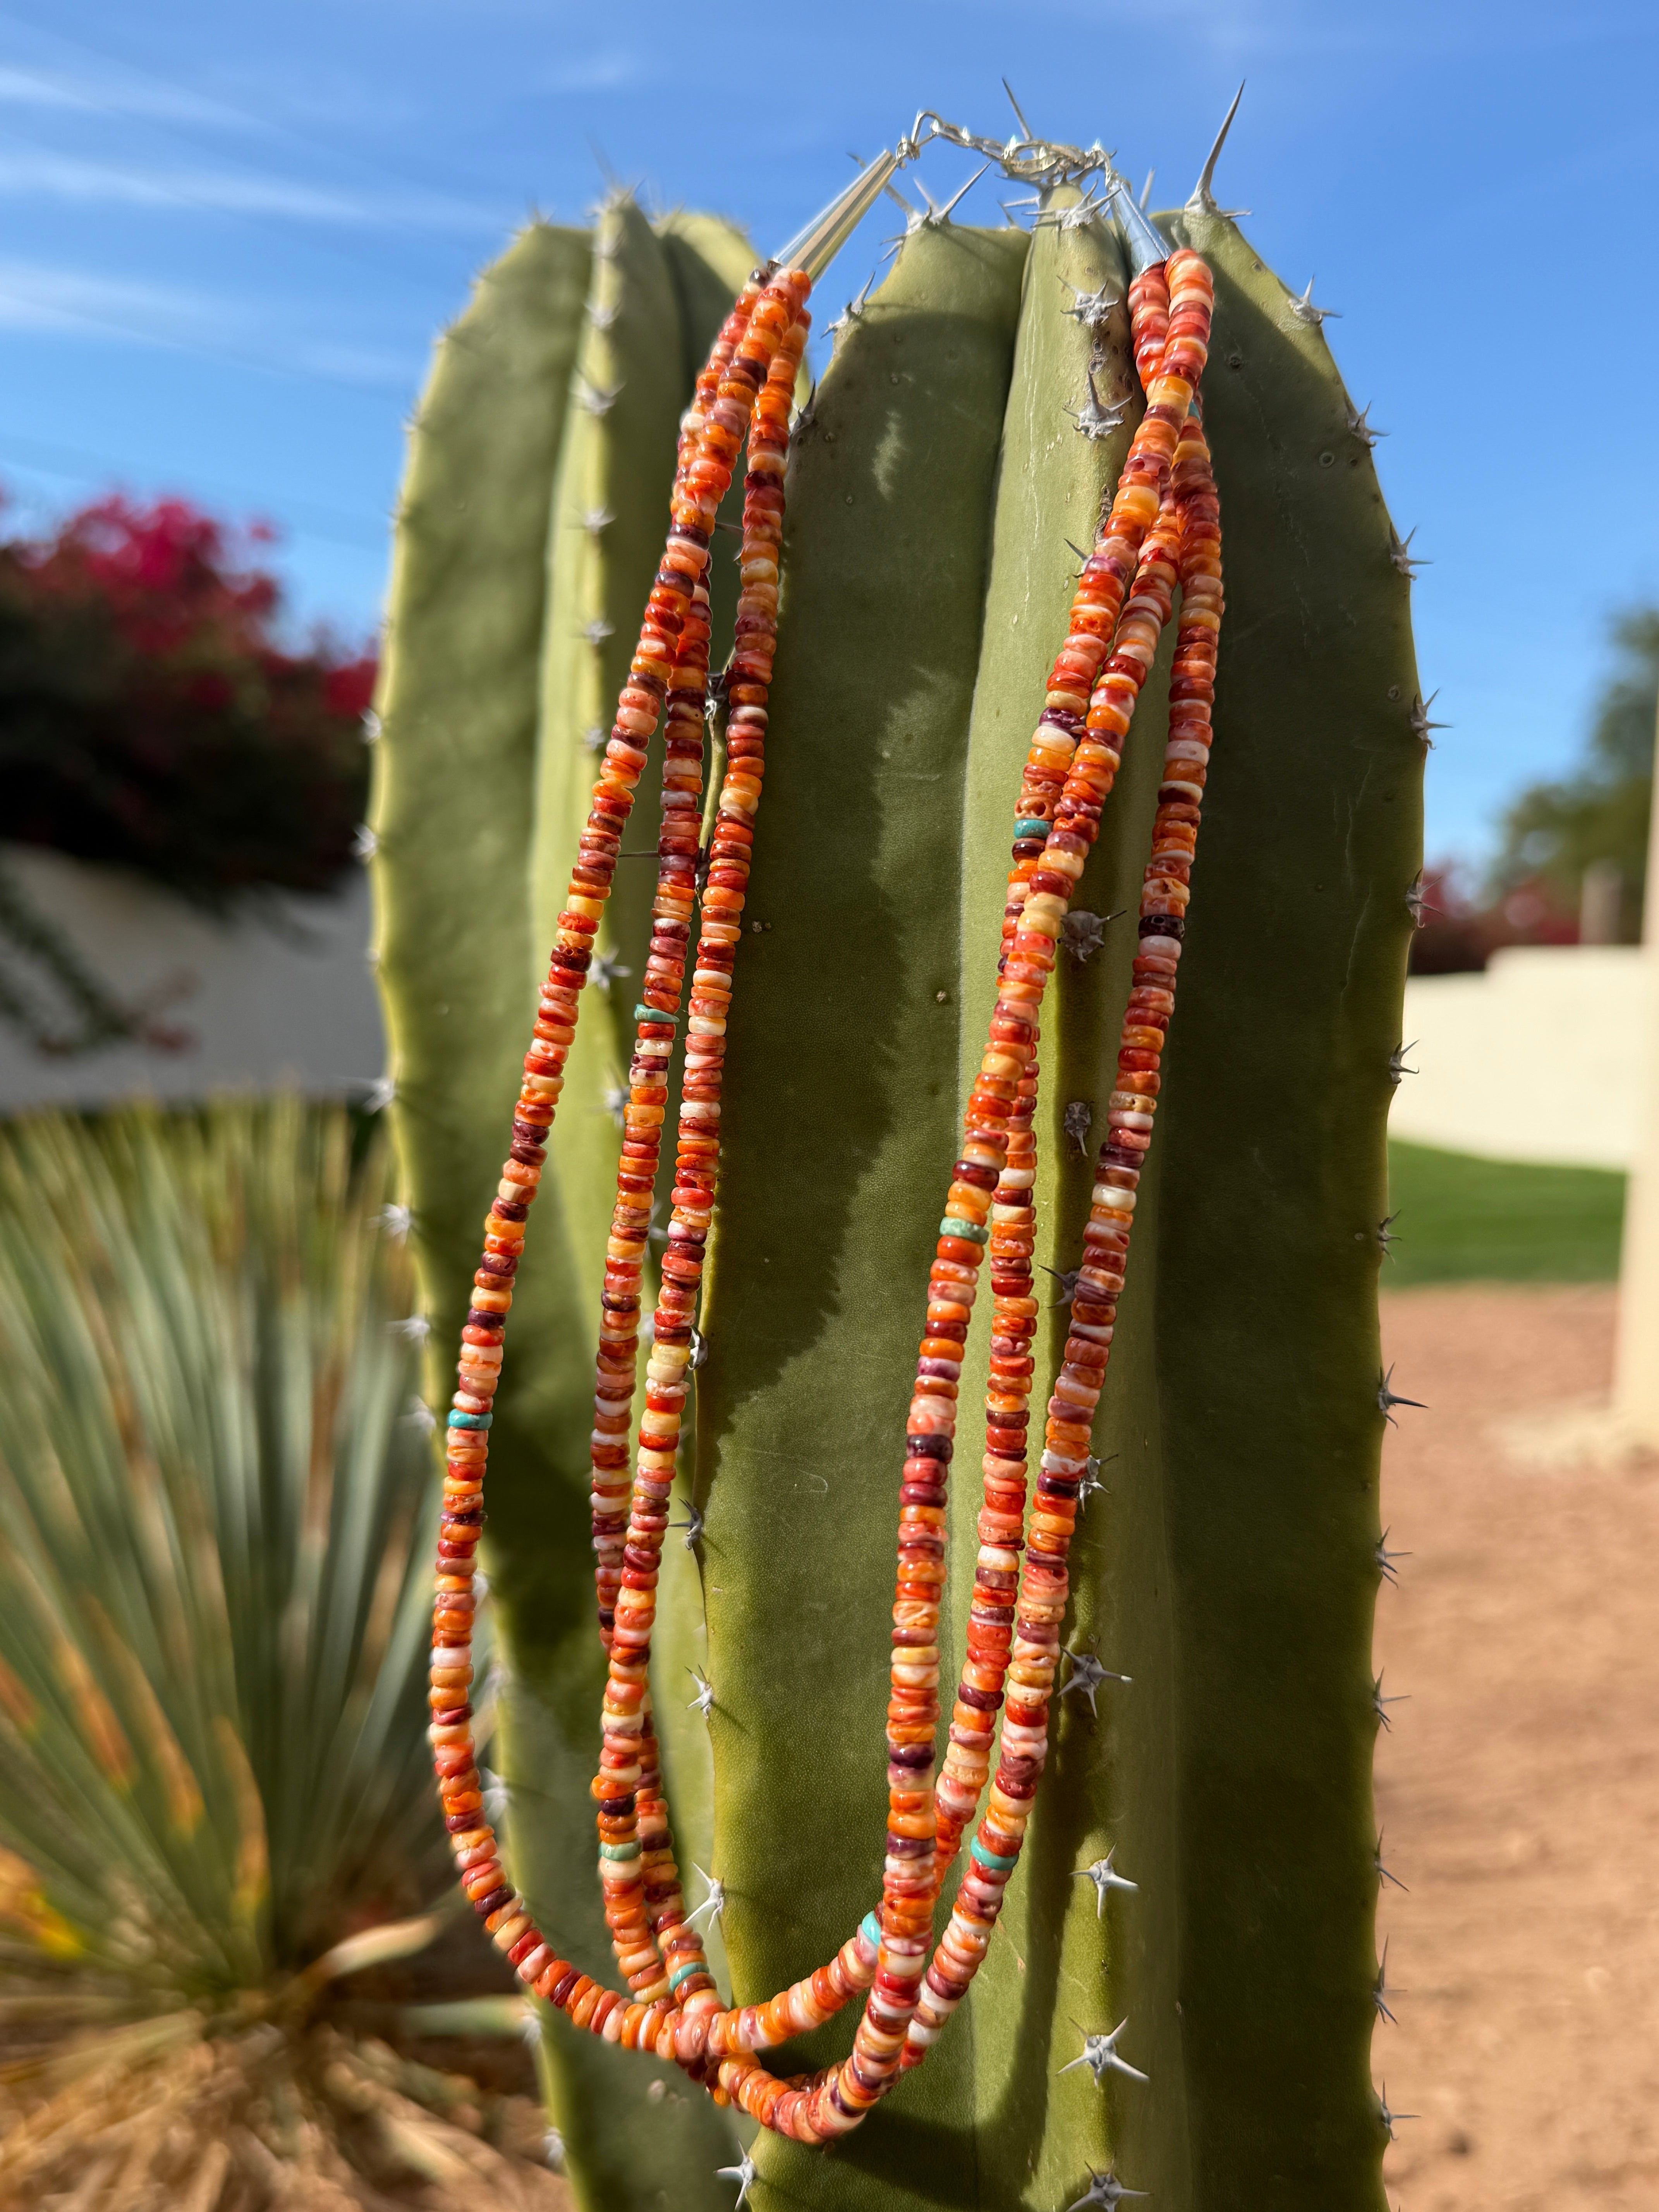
[[1231, 1569]]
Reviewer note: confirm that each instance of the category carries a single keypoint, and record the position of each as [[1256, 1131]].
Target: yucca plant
[[215, 1502]]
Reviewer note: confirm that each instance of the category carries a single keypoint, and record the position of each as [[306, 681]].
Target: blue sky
[[226, 234]]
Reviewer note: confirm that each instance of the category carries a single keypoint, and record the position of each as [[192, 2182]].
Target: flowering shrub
[[149, 718], [1461, 932]]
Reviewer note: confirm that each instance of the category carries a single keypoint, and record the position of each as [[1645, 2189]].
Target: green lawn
[[1461, 1219]]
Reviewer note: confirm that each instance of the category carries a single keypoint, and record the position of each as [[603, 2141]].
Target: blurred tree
[[149, 717], [1555, 832]]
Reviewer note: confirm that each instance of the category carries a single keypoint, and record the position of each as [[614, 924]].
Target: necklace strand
[[709, 442], [1188, 526], [1163, 527], [659, 1950]]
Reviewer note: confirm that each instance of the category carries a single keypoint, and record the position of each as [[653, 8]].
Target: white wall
[[1541, 1058], [260, 1005]]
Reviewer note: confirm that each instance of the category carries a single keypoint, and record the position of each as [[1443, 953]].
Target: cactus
[[1230, 1570]]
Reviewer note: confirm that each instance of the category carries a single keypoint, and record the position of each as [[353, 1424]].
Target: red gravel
[[1518, 1788]]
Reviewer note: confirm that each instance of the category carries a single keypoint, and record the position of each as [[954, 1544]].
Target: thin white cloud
[[33, 297], [32, 175], [26, 88], [81, 95], [39, 300], [274, 104]]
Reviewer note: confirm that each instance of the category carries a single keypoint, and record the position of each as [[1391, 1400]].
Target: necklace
[[1162, 530]]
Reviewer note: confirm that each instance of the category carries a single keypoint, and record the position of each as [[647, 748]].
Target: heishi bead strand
[[642, 1109], [1189, 529], [1049, 866], [1164, 895], [665, 1956], [617, 1362], [642, 1884], [1014, 1618], [835, 2100], [1062, 750], [1097, 602], [643, 1894], [1149, 320], [992, 1613], [705, 2039], [645, 1905], [1077, 1386], [652, 2025], [655, 1946], [966, 1766], [839, 2097], [706, 389], [758, 324]]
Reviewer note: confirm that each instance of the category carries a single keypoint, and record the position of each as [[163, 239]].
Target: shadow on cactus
[[216, 1824], [1161, 1964]]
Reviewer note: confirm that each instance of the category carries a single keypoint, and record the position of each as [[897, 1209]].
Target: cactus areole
[[1161, 533], [1002, 390]]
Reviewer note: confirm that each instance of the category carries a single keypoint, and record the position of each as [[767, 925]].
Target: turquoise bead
[[459, 1421], [620, 1850], [975, 1231], [684, 1973], [991, 1859], [870, 1929], [644, 1013], [1029, 825]]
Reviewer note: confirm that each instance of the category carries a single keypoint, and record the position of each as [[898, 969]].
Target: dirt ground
[[1518, 1786]]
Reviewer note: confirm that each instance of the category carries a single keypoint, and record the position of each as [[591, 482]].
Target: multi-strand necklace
[[1161, 531]]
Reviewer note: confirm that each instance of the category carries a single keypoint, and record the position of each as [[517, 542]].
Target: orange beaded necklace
[[1162, 529]]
